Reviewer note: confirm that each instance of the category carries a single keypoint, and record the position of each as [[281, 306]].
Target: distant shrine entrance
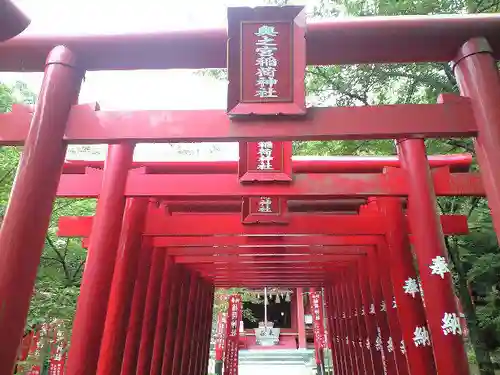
[[279, 309]]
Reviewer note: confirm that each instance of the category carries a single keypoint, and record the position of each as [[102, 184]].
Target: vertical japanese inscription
[[265, 154], [266, 62]]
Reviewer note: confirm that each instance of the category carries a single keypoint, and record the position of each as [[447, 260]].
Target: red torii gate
[[357, 284], [263, 259]]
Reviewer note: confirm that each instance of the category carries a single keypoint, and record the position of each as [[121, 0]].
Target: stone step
[[266, 369]]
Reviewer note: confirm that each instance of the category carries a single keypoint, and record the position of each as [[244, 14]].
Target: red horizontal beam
[[268, 251], [304, 186], [452, 118], [300, 164], [239, 267], [243, 274], [219, 260], [278, 276], [259, 241], [270, 279], [259, 284], [256, 242], [333, 41], [157, 224], [348, 205]]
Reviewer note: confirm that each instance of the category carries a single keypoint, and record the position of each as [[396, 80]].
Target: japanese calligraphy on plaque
[[266, 60], [220, 336], [318, 324], [234, 316], [265, 161]]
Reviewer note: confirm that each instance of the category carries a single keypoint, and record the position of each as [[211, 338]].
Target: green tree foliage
[[61, 266]]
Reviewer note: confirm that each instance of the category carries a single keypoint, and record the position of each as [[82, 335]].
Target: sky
[[134, 90]]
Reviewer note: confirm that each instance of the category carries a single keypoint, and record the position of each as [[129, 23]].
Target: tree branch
[[318, 72], [62, 260]]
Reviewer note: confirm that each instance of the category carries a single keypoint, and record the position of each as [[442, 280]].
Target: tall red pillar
[[134, 328], [198, 326], [198, 321], [393, 345], [173, 312], [96, 283], [207, 333], [379, 310], [181, 322], [332, 331], [318, 350], [416, 339], [170, 273], [362, 322], [188, 324], [27, 218], [301, 324], [371, 322], [151, 311], [477, 76], [430, 249], [122, 288], [351, 337], [347, 359], [358, 321]]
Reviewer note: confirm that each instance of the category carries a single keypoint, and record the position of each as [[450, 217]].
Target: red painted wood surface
[[122, 288], [97, 277], [228, 224], [334, 41], [431, 255], [169, 274], [152, 302], [406, 290], [173, 311], [134, 328], [234, 316], [32, 197], [305, 186], [477, 77], [181, 324], [252, 168], [452, 118], [264, 33], [300, 164]]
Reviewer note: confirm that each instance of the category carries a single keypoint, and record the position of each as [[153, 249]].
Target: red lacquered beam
[[300, 164], [267, 251], [262, 284], [220, 260], [341, 206], [452, 117], [263, 241], [157, 224], [238, 267], [335, 41], [323, 186]]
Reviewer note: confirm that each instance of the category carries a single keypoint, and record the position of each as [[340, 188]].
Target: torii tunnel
[[165, 235]]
